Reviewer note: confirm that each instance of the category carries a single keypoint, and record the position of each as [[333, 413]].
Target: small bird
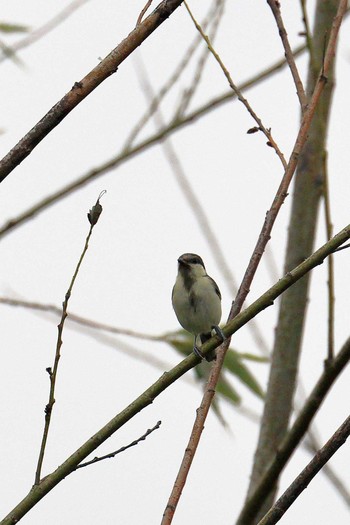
[[196, 301]]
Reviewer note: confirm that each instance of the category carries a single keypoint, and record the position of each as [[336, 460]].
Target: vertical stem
[[53, 372]]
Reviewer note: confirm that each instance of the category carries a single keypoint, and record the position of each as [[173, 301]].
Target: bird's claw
[[219, 332], [198, 352]]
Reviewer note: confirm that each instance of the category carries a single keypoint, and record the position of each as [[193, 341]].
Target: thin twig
[[53, 371], [128, 153], [306, 476], [147, 397], [295, 434], [267, 132], [122, 449], [143, 11], [276, 10]]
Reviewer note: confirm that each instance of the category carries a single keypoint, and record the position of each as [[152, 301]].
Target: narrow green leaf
[[234, 364], [6, 27]]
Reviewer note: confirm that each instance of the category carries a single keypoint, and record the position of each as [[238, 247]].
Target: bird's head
[[190, 263]]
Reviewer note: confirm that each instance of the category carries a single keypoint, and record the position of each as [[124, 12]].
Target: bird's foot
[[198, 352], [219, 332]]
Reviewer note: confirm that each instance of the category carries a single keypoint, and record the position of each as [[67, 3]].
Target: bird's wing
[[217, 291]]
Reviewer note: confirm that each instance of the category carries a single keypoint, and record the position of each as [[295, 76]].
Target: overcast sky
[[129, 270]]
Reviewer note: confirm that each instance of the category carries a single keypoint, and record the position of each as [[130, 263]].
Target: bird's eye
[[195, 260]]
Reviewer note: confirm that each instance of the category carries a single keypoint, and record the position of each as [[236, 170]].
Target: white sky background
[[129, 270]]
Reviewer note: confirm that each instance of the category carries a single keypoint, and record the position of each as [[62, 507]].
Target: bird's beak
[[182, 261]]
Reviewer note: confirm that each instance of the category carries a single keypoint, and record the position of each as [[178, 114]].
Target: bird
[[196, 300]]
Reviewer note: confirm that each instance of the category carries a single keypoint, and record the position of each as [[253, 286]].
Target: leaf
[[6, 27], [182, 341], [226, 390], [234, 364]]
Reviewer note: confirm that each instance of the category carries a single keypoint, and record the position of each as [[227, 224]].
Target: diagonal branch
[[276, 10], [238, 92], [295, 434], [306, 476]]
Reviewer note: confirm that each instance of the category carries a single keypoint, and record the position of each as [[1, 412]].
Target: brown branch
[[142, 13], [306, 476], [84, 87], [276, 10]]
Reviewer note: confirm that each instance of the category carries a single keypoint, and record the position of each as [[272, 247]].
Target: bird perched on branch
[[196, 301]]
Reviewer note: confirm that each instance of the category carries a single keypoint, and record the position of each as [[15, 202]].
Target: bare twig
[[122, 449], [84, 87], [143, 11], [276, 10], [306, 476], [93, 217], [238, 92]]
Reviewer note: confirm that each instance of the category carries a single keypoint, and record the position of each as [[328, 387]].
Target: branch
[[267, 132], [93, 218], [84, 87], [305, 477], [168, 378], [276, 10], [122, 449], [295, 435]]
